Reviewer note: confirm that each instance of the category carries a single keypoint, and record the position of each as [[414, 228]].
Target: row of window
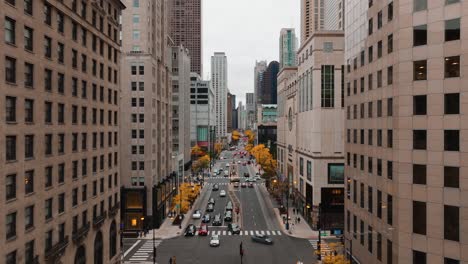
[[381, 204], [11, 144], [370, 137], [420, 5]]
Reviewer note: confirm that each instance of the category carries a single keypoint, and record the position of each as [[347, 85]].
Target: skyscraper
[[267, 90], [219, 82], [229, 111], [405, 131], [259, 70], [186, 29], [59, 132], [250, 110], [321, 15], [146, 121], [287, 47], [202, 112]]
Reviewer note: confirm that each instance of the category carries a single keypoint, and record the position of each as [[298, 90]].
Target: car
[[217, 220], [203, 230], [226, 173], [227, 165], [214, 241], [190, 230], [210, 207], [246, 174], [220, 170], [257, 178], [250, 180], [236, 184], [248, 162], [243, 164], [215, 171], [251, 185], [243, 185], [263, 239], [228, 216], [222, 193], [229, 206], [196, 214], [206, 218], [239, 162], [215, 187], [211, 200], [234, 228]]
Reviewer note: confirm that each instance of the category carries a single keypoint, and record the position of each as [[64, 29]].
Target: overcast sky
[[247, 30]]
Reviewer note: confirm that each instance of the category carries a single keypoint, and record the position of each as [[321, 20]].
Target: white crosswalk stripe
[[268, 233], [145, 252], [243, 233]]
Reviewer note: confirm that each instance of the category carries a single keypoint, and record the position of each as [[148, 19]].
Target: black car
[[229, 206], [190, 230], [215, 187], [210, 208], [263, 239], [206, 218], [234, 228], [217, 220], [211, 201], [228, 216], [246, 174]]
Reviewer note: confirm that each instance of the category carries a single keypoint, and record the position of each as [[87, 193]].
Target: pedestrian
[[294, 211], [299, 219]]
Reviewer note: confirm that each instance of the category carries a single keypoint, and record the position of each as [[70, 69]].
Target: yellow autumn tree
[[218, 147], [235, 135], [250, 135], [186, 196], [248, 148], [201, 163], [264, 159], [334, 259], [197, 151]]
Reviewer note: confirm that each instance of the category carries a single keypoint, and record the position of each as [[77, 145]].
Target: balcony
[[81, 233], [99, 220], [56, 250], [114, 210]]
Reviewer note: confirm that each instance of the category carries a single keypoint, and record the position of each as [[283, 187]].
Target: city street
[[256, 217]]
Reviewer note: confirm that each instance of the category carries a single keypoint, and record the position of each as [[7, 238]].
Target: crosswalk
[[227, 183], [244, 233], [325, 248], [145, 252]]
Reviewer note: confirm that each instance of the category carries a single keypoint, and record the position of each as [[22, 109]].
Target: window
[[452, 104], [61, 113], [28, 7], [449, 260], [379, 79], [390, 43], [449, 2], [419, 218], [61, 143], [28, 110], [10, 31], [48, 176], [451, 140], [370, 29], [29, 146], [328, 82], [419, 5], [28, 38], [420, 70], [370, 199], [419, 174], [452, 29], [60, 52], [390, 75], [379, 20], [390, 12], [10, 148], [60, 22], [370, 164], [370, 235], [48, 80], [379, 49], [10, 225], [61, 172], [361, 233], [390, 138], [451, 177], [136, 3], [452, 67], [452, 223], [48, 240], [84, 190], [61, 203], [28, 75], [10, 187], [29, 217], [370, 82], [379, 108], [420, 35], [390, 107], [47, 47], [75, 197], [48, 144], [335, 173], [141, 70], [47, 14], [10, 70], [420, 105], [48, 209], [10, 105]]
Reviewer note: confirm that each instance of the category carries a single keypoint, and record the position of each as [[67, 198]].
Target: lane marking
[[268, 232], [130, 249]]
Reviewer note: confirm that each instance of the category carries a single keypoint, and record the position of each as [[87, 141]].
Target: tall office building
[[287, 47], [250, 110], [202, 110], [259, 70], [319, 15], [406, 139], [186, 29], [219, 83], [268, 87], [181, 147], [60, 164], [229, 107], [146, 122]]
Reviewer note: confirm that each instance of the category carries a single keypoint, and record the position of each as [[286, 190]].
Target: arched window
[[113, 240], [98, 249], [80, 257]]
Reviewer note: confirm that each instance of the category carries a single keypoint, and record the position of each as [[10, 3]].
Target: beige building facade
[[406, 143], [59, 132], [148, 181]]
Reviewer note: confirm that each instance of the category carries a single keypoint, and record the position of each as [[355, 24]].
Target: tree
[[186, 196], [335, 259], [197, 151], [250, 135], [264, 159], [218, 147], [202, 163], [235, 136], [248, 147]]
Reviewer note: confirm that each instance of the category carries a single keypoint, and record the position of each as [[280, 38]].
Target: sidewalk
[[300, 229], [167, 230]]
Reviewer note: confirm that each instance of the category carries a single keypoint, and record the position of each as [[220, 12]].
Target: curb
[[289, 232]]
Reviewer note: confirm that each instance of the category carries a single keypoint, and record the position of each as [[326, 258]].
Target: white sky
[[247, 30]]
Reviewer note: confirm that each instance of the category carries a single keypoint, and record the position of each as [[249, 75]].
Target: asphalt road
[[257, 216]]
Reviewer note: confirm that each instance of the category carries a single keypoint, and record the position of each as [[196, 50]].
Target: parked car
[[196, 214], [222, 193], [210, 207], [234, 228], [217, 220], [211, 200], [203, 231], [243, 185], [190, 230], [214, 241], [229, 206], [228, 216], [246, 174], [263, 239], [215, 187], [206, 218]]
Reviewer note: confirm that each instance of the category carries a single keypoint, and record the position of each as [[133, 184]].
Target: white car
[[214, 241], [227, 165], [196, 214], [222, 193], [239, 161]]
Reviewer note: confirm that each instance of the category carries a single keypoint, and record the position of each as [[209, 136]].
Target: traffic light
[[241, 250]]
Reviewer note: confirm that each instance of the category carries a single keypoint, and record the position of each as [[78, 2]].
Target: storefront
[[133, 208], [162, 199]]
